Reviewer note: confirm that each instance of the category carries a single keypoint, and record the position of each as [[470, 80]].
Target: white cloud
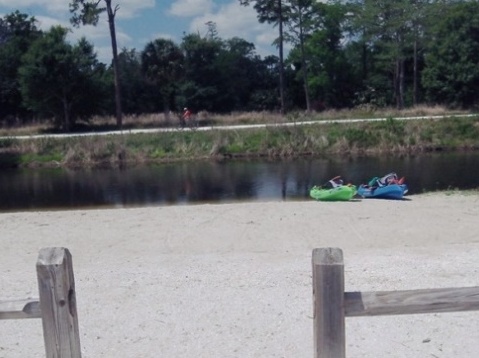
[[189, 8], [141, 42], [127, 8], [98, 35], [44, 23], [104, 54], [51, 5], [131, 8], [267, 37], [234, 20], [158, 35]]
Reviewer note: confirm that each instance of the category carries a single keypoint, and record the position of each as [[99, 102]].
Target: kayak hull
[[341, 193], [392, 191]]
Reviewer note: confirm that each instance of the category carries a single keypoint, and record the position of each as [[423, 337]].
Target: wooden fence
[[332, 304], [56, 305]]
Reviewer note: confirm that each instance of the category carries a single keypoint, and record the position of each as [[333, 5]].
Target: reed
[[360, 138], [162, 120]]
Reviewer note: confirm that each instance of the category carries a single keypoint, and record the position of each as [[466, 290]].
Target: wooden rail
[[331, 304], [56, 305], [18, 309]]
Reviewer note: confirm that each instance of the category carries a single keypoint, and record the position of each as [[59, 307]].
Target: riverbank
[[281, 140], [234, 280]]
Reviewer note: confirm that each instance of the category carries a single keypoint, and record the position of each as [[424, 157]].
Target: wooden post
[[58, 303], [328, 303]]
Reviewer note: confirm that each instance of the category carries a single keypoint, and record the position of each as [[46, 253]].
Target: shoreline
[[234, 280], [267, 140]]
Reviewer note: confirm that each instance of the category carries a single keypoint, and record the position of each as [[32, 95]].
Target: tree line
[[373, 53]]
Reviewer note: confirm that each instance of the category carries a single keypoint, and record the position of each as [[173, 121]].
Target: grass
[[160, 120], [361, 138]]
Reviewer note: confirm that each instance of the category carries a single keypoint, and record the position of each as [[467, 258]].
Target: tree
[[392, 33], [199, 89], [331, 80], [88, 13], [451, 75], [162, 65], [389, 24], [58, 79], [264, 97], [226, 75], [300, 25], [138, 95], [273, 11], [419, 22], [17, 32], [237, 65]]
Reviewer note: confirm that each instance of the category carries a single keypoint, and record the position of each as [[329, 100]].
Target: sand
[[234, 280]]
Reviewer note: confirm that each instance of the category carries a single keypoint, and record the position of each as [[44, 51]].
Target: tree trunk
[[166, 106], [281, 64], [66, 114], [114, 47], [399, 83], [305, 66], [414, 96]]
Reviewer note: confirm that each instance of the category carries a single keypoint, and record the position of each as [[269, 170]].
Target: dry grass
[[27, 129], [388, 136], [156, 120]]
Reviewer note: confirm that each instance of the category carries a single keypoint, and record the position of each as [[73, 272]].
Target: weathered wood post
[[328, 303], [58, 303]]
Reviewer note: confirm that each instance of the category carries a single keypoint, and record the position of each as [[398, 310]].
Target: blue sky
[[140, 21]]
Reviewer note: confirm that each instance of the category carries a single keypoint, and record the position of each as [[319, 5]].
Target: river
[[218, 182]]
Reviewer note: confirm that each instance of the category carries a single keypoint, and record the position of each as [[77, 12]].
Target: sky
[[141, 21]]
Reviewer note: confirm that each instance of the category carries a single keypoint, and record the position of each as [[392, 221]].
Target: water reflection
[[194, 182]]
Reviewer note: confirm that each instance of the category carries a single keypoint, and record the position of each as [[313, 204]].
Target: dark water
[[197, 182]]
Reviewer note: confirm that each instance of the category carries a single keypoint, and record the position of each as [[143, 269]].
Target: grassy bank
[[389, 136]]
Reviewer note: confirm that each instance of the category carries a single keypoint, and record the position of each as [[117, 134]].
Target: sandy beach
[[234, 280]]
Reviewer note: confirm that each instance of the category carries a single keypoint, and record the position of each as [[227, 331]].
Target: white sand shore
[[234, 280]]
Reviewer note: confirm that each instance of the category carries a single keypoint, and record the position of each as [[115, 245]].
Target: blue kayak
[[392, 191]]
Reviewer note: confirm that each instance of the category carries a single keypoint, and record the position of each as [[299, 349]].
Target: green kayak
[[340, 193]]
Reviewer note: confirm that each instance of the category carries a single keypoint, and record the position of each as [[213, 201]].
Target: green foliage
[[333, 133], [7, 142], [58, 79], [199, 89], [330, 78], [426, 135], [29, 158], [225, 75], [451, 75], [162, 65], [361, 138], [369, 54], [274, 141], [393, 126], [460, 129], [274, 12], [17, 32], [256, 141], [234, 148], [139, 95], [88, 13], [85, 12]]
